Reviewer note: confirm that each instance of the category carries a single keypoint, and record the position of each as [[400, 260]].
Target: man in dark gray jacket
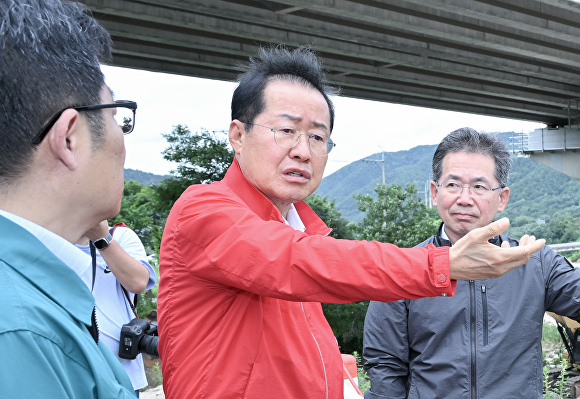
[[484, 342]]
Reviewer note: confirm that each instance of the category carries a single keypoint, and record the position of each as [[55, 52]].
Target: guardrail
[[570, 246]]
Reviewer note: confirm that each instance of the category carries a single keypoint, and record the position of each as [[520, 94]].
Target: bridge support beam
[[567, 162]]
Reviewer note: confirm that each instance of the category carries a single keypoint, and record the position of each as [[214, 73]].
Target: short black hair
[[300, 65], [50, 55]]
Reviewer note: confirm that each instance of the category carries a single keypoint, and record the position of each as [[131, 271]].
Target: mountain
[[360, 177], [145, 178], [537, 191]]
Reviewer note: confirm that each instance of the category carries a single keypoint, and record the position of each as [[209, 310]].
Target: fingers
[[517, 256], [531, 245], [472, 259]]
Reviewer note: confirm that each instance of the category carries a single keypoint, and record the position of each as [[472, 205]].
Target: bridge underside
[[503, 58], [494, 57]]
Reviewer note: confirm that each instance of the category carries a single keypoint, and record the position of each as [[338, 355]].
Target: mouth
[[464, 216], [302, 174]]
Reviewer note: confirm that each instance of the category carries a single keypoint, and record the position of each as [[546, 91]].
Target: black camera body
[[138, 336]]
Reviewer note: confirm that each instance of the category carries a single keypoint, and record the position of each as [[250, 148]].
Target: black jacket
[[484, 342]]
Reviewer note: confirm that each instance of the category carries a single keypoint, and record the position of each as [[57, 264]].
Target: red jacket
[[240, 292]]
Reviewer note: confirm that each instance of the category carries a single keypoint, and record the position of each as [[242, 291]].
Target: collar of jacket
[[23, 252], [264, 208], [442, 242]]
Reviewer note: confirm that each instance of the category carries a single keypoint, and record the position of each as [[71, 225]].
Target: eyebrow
[[299, 119]]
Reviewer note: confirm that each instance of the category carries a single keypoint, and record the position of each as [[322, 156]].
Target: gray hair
[[50, 54], [469, 140]]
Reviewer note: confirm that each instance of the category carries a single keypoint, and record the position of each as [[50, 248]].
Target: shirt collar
[[293, 219], [443, 233], [61, 248]]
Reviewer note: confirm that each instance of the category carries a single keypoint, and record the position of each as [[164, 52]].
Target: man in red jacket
[[245, 262]]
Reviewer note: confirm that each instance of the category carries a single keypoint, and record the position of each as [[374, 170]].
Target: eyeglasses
[[288, 137], [125, 117], [478, 189]]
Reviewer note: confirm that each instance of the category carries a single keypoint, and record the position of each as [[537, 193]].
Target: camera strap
[[94, 262]]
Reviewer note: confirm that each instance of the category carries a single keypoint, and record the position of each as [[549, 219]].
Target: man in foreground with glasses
[[61, 172], [485, 341], [245, 262]]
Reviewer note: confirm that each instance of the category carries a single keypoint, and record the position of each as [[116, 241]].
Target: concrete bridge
[[505, 58]]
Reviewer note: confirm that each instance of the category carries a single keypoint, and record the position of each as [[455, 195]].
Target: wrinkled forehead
[[296, 99], [468, 167]]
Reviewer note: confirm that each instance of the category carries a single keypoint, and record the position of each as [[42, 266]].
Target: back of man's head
[[50, 54], [469, 140], [278, 63]]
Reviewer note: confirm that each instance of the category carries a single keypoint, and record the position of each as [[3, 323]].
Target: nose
[[465, 196], [301, 149]]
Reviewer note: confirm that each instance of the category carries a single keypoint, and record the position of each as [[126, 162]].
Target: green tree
[[326, 210], [201, 158], [137, 213], [558, 230], [397, 216]]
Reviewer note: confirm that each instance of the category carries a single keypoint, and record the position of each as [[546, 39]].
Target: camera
[[138, 336]]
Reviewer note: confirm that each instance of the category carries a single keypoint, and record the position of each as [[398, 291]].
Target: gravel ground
[[152, 393]]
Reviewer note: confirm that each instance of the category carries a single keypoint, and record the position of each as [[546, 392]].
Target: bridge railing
[[570, 246], [566, 138]]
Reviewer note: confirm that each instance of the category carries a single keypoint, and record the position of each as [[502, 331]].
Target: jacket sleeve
[[562, 283], [386, 349], [219, 239]]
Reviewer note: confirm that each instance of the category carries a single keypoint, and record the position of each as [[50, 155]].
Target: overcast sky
[[361, 127]]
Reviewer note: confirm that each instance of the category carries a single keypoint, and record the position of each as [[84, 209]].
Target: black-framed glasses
[[478, 189], [125, 117], [288, 137]]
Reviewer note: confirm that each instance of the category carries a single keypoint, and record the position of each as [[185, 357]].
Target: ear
[[237, 136], [433, 188], [503, 199], [63, 138]]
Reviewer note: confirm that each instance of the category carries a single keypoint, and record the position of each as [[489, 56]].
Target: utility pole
[[379, 160], [427, 192]]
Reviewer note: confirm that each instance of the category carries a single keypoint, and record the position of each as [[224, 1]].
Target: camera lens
[[148, 344]]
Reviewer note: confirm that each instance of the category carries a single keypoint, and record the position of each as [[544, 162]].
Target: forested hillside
[[145, 178], [538, 193], [359, 177]]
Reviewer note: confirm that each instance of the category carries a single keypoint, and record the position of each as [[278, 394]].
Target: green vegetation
[[395, 215], [556, 389], [538, 194], [554, 363]]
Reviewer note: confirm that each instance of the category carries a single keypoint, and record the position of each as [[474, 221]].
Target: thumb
[[495, 228]]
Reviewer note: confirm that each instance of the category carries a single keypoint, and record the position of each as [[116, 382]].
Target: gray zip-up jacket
[[483, 342]]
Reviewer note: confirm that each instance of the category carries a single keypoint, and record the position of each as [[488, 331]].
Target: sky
[[361, 127]]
